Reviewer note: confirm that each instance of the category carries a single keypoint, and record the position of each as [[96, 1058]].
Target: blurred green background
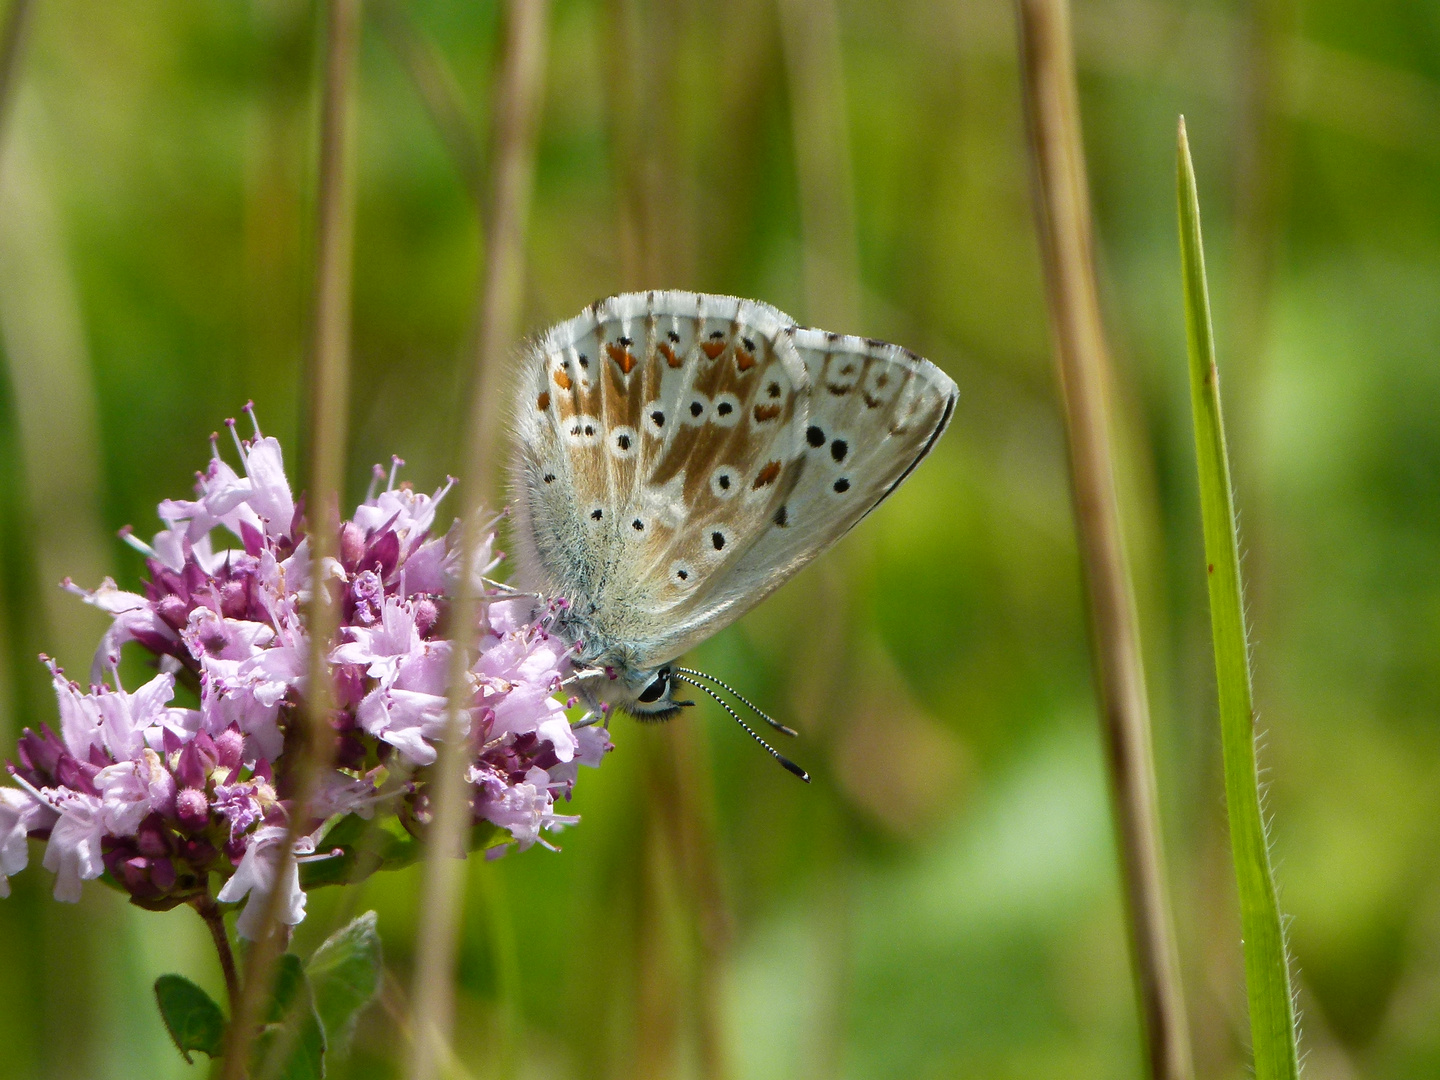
[[942, 901]]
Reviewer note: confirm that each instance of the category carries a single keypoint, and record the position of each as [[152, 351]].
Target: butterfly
[[678, 456]]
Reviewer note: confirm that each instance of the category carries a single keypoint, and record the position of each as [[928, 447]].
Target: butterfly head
[[647, 695], [656, 700]]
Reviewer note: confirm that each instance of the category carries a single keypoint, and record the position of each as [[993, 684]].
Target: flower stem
[[215, 920], [1063, 215]]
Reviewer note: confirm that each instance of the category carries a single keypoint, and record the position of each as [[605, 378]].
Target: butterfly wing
[[679, 456], [656, 435], [875, 410]]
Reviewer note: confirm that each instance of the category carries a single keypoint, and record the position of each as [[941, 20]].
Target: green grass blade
[[1267, 971]]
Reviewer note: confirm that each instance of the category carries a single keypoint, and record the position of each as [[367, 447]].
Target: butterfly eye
[[656, 689]]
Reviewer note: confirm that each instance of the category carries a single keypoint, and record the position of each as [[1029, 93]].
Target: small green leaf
[[291, 1046], [194, 1021], [365, 846], [345, 975]]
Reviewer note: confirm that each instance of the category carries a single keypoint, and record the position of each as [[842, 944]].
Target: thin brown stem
[[1063, 217], [517, 115], [215, 920], [329, 411]]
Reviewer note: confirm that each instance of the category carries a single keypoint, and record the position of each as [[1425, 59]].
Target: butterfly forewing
[[680, 455]]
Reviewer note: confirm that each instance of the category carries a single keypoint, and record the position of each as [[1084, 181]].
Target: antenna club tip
[[791, 767]]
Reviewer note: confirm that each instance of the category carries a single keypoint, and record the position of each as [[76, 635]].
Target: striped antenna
[[744, 700], [789, 765]]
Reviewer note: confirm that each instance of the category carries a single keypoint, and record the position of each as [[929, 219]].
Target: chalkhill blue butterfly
[[678, 456]]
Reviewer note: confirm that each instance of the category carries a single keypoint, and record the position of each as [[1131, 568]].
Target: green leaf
[[345, 976], [381, 843], [194, 1021], [291, 1045], [365, 846], [1267, 969]]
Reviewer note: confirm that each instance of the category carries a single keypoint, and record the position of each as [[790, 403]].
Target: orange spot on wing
[[622, 357], [544, 400], [669, 354], [562, 380], [744, 360], [767, 474], [766, 412], [713, 348]]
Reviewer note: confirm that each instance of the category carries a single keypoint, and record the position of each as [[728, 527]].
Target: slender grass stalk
[[519, 96], [1267, 968], [1063, 217], [810, 40], [439, 89], [329, 413], [13, 33]]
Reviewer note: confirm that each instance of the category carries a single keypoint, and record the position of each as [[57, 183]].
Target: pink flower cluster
[[158, 797]]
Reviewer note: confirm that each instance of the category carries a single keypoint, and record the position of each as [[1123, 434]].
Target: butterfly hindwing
[[656, 434], [680, 455]]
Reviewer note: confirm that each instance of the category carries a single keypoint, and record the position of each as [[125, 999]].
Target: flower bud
[[427, 614], [192, 808], [174, 611], [234, 602], [229, 746], [352, 545]]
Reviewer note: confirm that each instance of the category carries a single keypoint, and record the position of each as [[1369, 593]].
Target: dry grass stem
[[1063, 215], [518, 101], [329, 412]]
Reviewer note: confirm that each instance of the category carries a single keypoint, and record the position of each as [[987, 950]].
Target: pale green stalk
[[1267, 968], [517, 121]]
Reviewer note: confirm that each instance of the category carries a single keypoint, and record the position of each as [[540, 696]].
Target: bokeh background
[[943, 900]]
